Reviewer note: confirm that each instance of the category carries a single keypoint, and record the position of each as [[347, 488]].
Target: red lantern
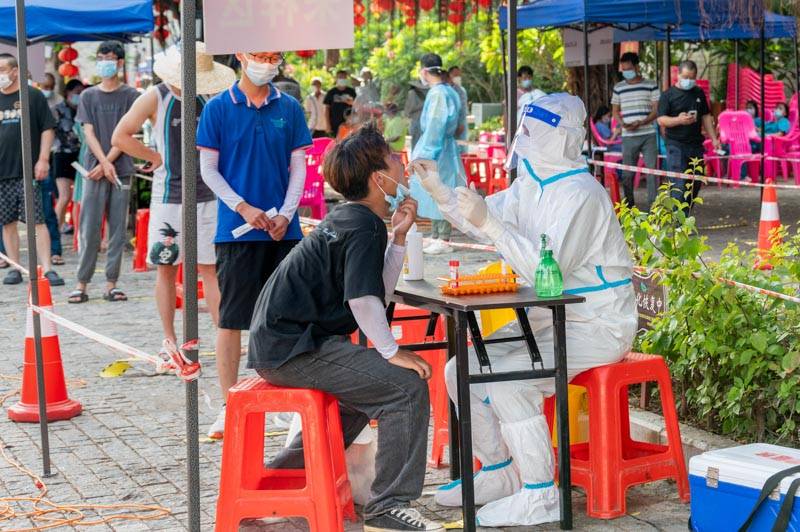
[[67, 54], [411, 22], [455, 18], [68, 70], [427, 5], [384, 5], [485, 4], [358, 8], [161, 34], [306, 54], [359, 20]]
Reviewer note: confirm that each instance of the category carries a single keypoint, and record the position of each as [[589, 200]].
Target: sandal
[[3, 264], [77, 297], [115, 294], [57, 260]]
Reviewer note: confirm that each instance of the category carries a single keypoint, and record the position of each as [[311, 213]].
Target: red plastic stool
[[179, 291], [247, 489], [611, 461], [140, 251]]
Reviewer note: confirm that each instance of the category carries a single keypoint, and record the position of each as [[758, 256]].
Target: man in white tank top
[[162, 106]]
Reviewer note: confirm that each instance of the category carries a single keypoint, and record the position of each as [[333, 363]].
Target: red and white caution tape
[[690, 177], [13, 264], [161, 366]]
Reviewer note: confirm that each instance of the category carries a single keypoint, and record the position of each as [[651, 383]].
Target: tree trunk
[[331, 58], [601, 82]]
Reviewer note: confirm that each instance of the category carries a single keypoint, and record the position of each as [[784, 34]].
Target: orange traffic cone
[[770, 219], [59, 405]]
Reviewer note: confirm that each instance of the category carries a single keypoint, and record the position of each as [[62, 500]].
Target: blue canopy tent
[[84, 20], [622, 13], [775, 27]]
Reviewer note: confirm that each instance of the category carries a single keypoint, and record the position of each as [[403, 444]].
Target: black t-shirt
[[42, 119], [305, 299], [337, 98], [675, 101]]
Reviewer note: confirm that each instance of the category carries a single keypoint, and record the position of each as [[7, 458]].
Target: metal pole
[[763, 110], [189, 190], [658, 65], [30, 224], [667, 60], [586, 84], [512, 79], [736, 78], [796, 67]]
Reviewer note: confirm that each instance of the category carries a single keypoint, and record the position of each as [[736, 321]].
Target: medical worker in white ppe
[[554, 195]]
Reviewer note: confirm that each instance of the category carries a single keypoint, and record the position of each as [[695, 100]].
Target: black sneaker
[[400, 520], [54, 278], [13, 277]]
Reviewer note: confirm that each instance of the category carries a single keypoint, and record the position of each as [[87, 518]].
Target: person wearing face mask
[[556, 195], [48, 88], [634, 105], [526, 94], [683, 111], [462, 133], [315, 109], [602, 123], [12, 195], [439, 121], [67, 145], [336, 281], [107, 186], [161, 105], [339, 99], [779, 125], [252, 140], [415, 101]]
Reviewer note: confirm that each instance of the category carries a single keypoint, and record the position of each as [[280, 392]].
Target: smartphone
[[693, 113]]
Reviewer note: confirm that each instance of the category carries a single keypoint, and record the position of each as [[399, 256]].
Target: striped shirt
[[636, 103]]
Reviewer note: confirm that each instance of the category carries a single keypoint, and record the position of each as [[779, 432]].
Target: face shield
[[551, 134]]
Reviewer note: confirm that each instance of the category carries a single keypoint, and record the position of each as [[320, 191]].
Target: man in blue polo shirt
[[252, 139]]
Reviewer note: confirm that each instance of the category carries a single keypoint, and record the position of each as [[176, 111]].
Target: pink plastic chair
[[737, 129], [314, 191]]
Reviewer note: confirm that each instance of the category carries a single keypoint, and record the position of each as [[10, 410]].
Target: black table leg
[[455, 441], [562, 407], [464, 421]]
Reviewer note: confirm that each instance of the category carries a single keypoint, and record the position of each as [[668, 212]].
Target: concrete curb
[[649, 427]]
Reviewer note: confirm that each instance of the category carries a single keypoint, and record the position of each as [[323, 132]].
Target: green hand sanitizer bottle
[[549, 282]]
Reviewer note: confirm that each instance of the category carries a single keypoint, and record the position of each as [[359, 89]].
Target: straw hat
[[212, 77]]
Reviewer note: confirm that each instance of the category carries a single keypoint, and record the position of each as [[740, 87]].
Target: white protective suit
[[556, 195]]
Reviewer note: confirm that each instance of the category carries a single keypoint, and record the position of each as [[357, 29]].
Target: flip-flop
[[114, 295], [57, 260], [78, 296]]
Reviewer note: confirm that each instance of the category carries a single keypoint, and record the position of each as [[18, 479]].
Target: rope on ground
[[47, 514], [691, 177], [15, 265]]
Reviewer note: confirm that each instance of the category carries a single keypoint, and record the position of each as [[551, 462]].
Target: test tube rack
[[484, 283]]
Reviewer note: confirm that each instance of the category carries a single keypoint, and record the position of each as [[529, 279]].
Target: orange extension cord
[[47, 514]]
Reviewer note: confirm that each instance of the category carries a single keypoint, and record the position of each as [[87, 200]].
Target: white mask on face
[[5, 81], [422, 79], [457, 80], [260, 73]]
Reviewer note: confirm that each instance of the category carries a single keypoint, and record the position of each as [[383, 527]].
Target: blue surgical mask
[[106, 68], [75, 99], [629, 74], [47, 93], [686, 84], [526, 83], [778, 113], [402, 192]]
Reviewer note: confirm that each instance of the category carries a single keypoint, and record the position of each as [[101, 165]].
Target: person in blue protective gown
[[439, 123], [555, 194]]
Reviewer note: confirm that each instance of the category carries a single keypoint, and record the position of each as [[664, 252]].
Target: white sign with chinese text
[[601, 47], [277, 25]]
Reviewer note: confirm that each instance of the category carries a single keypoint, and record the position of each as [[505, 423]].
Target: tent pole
[[796, 67], [30, 190], [658, 65], [736, 78], [503, 47], [667, 81], [189, 222], [512, 79], [763, 111], [586, 84]]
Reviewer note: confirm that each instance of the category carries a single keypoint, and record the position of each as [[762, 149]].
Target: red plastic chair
[[737, 129], [612, 461], [478, 172], [247, 489], [314, 190], [140, 251]]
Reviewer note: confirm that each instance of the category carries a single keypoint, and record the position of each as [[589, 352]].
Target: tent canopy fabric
[[78, 20], [623, 14], [775, 27]]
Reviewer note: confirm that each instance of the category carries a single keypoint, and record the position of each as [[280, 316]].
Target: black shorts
[[62, 165], [12, 201], [242, 271]]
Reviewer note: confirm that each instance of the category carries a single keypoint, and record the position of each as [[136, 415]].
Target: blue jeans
[[49, 193], [679, 155]]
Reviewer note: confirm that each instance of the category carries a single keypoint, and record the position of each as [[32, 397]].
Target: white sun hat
[[212, 77]]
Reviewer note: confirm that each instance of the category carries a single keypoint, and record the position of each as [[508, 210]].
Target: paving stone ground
[[129, 443]]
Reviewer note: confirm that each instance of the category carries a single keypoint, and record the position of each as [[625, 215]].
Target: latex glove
[[428, 173], [472, 206]]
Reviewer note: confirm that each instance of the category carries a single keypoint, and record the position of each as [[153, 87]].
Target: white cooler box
[[725, 486]]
